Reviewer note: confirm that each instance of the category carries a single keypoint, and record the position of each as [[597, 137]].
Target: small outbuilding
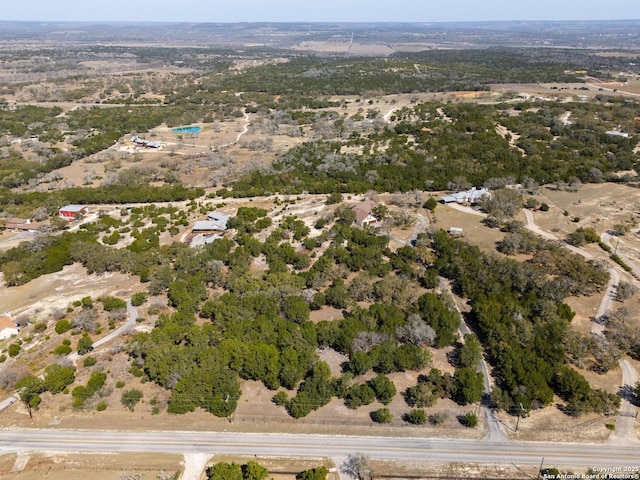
[[71, 212]]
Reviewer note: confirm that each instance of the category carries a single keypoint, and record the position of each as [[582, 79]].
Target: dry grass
[[597, 205], [551, 425], [425, 470], [80, 466], [475, 232]]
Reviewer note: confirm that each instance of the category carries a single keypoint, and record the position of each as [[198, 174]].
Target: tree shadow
[[627, 392]]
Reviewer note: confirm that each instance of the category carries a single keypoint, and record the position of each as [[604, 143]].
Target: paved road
[[383, 448]]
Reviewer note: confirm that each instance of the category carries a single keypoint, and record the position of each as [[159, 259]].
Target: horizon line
[[411, 22]]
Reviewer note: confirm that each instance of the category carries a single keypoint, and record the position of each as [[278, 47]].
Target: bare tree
[[625, 290], [365, 341], [416, 331], [85, 320], [358, 465], [11, 374]]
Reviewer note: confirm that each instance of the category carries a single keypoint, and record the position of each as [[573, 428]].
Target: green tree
[[57, 377], [130, 398], [317, 473], [225, 471], [383, 388], [254, 471], [29, 388], [430, 204], [85, 344], [296, 309], [470, 352], [359, 395], [469, 385], [444, 321], [333, 198], [421, 395]]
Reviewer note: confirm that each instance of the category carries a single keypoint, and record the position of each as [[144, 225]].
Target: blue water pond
[[189, 129]]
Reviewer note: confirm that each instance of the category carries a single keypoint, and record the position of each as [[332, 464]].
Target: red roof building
[[7, 327], [71, 212]]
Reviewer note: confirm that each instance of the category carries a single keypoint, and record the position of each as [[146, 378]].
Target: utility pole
[[540, 469]]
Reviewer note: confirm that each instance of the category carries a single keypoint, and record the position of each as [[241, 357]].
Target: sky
[[319, 10]]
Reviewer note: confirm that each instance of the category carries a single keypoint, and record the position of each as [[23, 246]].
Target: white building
[[469, 196]]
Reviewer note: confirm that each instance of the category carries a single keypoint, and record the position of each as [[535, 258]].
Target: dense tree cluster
[[519, 317]]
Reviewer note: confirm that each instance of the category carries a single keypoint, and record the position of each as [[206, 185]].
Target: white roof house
[[220, 219], [205, 226], [469, 196], [141, 142], [617, 133]]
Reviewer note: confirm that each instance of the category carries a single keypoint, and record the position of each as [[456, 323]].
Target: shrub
[[469, 420], [62, 350], [119, 384], [62, 326], [416, 417], [86, 302], [102, 406], [89, 362], [138, 299], [544, 207], [334, 198], [39, 327], [437, 418], [113, 303], [382, 415], [13, 350]]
